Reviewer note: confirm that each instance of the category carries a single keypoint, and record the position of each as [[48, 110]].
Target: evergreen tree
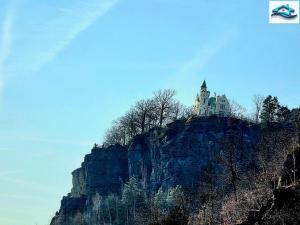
[[270, 107], [283, 114], [132, 197]]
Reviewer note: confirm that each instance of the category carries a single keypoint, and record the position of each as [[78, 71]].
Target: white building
[[207, 106]]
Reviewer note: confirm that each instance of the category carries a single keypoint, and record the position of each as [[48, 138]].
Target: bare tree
[[233, 150], [249, 200], [236, 110], [129, 122], [97, 203], [210, 196], [144, 115], [144, 109], [116, 134], [258, 101], [293, 148], [164, 101], [180, 110], [274, 148]]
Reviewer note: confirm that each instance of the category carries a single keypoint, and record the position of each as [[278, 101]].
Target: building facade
[[207, 106]]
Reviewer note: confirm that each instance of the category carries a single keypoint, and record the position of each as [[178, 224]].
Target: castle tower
[[203, 86], [207, 106], [204, 97]]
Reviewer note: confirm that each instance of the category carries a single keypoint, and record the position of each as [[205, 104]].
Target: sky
[[68, 68]]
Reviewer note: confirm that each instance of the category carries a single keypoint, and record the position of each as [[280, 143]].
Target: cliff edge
[[161, 158]]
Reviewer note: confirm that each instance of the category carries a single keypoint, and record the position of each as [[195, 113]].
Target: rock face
[[176, 155], [103, 171], [160, 158]]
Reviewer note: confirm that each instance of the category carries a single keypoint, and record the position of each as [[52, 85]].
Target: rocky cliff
[[103, 171], [160, 158], [176, 154]]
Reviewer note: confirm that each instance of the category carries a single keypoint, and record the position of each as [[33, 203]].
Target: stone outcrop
[[160, 158], [175, 155], [103, 171]]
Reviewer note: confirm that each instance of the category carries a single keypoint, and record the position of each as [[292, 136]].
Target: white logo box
[[279, 19]]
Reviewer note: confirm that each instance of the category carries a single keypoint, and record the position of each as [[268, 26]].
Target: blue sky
[[68, 68]]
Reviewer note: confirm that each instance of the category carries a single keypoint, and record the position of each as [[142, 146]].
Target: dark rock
[[103, 171], [162, 158], [71, 205], [176, 155]]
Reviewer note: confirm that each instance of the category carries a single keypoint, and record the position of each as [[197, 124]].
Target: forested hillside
[[156, 167]]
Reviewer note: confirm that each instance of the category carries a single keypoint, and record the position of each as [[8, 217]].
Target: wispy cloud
[[57, 141], [20, 197], [43, 34], [205, 54], [189, 71], [8, 172], [29, 185], [6, 41], [35, 138], [7, 35], [71, 22]]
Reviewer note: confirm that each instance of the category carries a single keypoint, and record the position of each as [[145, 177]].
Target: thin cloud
[[7, 35], [205, 55], [41, 41], [188, 72], [9, 172], [58, 141], [86, 15], [29, 185], [1, 88], [6, 42], [40, 139]]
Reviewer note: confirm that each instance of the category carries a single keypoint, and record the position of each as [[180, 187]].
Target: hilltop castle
[[207, 106]]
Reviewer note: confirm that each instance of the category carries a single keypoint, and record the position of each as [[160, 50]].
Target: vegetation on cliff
[[192, 171]]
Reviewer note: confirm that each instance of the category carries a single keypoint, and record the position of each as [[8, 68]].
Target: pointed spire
[[203, 84]]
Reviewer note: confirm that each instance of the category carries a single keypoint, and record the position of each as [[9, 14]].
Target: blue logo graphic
[[285, 11]]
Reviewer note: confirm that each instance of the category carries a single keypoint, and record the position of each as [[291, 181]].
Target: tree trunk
[[134, 203], [143, 123], [161, 117], [294, 167], [109, 214], [117, 211]]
